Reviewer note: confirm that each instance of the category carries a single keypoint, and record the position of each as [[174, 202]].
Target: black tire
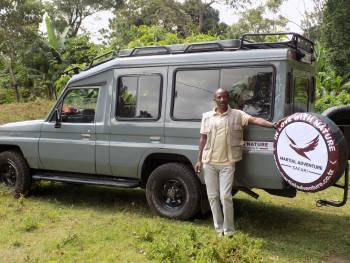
[[174, 191], [338, 114], [15, 173]]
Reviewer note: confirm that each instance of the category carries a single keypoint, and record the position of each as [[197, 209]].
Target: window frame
[[52, 118], [220, 68], [118, 118]]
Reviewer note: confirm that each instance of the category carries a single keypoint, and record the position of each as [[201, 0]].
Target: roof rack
[[261, 41], [76, 70], [218, 45], [112, 54], [296, 42]]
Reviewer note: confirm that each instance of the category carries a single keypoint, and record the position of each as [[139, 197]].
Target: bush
[[328, 101]]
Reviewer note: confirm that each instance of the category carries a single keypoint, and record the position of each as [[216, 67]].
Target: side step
[[88, 179]]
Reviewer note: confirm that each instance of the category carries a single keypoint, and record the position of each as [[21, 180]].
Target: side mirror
[[58, 118]]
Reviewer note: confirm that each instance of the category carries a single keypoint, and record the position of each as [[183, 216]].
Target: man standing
[[220, 147]]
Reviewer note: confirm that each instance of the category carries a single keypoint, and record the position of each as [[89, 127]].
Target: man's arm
[[264, 123], [202, 142], [260, 122]]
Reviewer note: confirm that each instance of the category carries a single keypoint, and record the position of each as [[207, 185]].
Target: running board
[[88, 179]]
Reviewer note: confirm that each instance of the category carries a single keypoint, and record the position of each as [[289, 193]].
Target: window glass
[[250, 90], [139, 97], [79, 105], [194, 92], [300, 94]]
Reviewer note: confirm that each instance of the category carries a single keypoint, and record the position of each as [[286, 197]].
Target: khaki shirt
[[221, 151]]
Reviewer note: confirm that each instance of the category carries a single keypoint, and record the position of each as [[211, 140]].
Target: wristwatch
[[274, 125]]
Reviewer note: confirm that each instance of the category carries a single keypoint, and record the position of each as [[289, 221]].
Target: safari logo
[[305, 152]]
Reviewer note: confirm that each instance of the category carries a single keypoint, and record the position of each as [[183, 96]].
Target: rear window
[[250, 90], [301, 94]]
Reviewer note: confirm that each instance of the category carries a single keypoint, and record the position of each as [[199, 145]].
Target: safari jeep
[[133, 119]]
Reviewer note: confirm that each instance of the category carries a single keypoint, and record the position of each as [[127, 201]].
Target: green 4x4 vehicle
[[133, 120]]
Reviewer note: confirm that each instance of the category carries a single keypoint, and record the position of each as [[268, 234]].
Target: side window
[[194, 91], [79, 105], [300, 94], [250, 90], [139, 97]]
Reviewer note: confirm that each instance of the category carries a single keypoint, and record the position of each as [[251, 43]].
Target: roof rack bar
[[114, 54], [75, 69], [295, 42], [158, 50]]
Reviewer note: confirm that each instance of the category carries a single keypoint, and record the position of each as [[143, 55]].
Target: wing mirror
[[58, 118]]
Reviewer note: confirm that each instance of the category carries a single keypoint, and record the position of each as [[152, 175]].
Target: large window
[[139, 97], [79, 105], [300, 94], [250, 90]]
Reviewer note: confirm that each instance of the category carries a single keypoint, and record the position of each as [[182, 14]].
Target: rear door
[[137, 122]]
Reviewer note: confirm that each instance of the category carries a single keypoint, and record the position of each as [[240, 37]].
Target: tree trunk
[[201, 17], [14, 82]]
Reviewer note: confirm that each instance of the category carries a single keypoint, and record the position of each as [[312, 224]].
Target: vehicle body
[[134, 121]]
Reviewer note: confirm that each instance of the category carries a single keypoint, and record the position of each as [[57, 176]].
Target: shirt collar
[[222, 114]]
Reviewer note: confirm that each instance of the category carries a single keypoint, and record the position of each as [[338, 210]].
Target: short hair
[[222, 90]]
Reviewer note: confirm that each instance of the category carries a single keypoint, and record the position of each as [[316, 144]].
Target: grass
[[32, 110], [61, 222], [72, 223]]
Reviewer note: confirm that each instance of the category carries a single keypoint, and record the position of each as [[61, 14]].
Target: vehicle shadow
[[96, 197]]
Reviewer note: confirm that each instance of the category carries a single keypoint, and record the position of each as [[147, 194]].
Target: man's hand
[[197, 167], [278, 123]]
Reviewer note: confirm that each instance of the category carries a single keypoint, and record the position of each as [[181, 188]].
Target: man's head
[[221, 98]]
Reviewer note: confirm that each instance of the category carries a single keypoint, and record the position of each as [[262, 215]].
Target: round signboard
[[310, 151]]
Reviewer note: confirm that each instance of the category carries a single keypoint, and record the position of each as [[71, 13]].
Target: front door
[[71, 147]]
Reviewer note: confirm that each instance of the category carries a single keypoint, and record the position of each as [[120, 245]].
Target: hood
[[22, 126]]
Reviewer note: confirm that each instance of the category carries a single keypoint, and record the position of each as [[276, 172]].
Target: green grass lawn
[[72, 223]]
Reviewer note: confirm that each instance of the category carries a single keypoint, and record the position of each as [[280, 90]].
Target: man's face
[[221, 99]]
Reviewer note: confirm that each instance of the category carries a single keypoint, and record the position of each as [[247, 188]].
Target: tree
[[254, 21], [168, 14], [312, 20], [204, 8], [206, 20], [336, 37], [19, 23], [71, 13]]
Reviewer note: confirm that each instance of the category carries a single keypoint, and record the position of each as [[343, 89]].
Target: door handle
[[85, 135], [155, 139]]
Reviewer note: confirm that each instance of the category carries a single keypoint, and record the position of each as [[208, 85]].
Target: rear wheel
[[173, 191], [14, 172]]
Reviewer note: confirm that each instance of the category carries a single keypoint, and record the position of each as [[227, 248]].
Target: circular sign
[[310, 151]]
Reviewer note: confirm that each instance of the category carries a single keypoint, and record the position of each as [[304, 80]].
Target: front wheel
[[14, 172], [173, 191]]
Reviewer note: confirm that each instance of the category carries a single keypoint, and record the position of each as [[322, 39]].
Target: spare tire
[[338, 114], [310, 151]]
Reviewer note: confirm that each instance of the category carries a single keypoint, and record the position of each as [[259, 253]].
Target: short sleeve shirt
[[220, 152], [205, 125]]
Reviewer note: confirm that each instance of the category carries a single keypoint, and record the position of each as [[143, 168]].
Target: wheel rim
[[8, 173], [173, 194]]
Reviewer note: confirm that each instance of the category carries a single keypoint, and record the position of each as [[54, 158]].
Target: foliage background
[[32, 63]]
